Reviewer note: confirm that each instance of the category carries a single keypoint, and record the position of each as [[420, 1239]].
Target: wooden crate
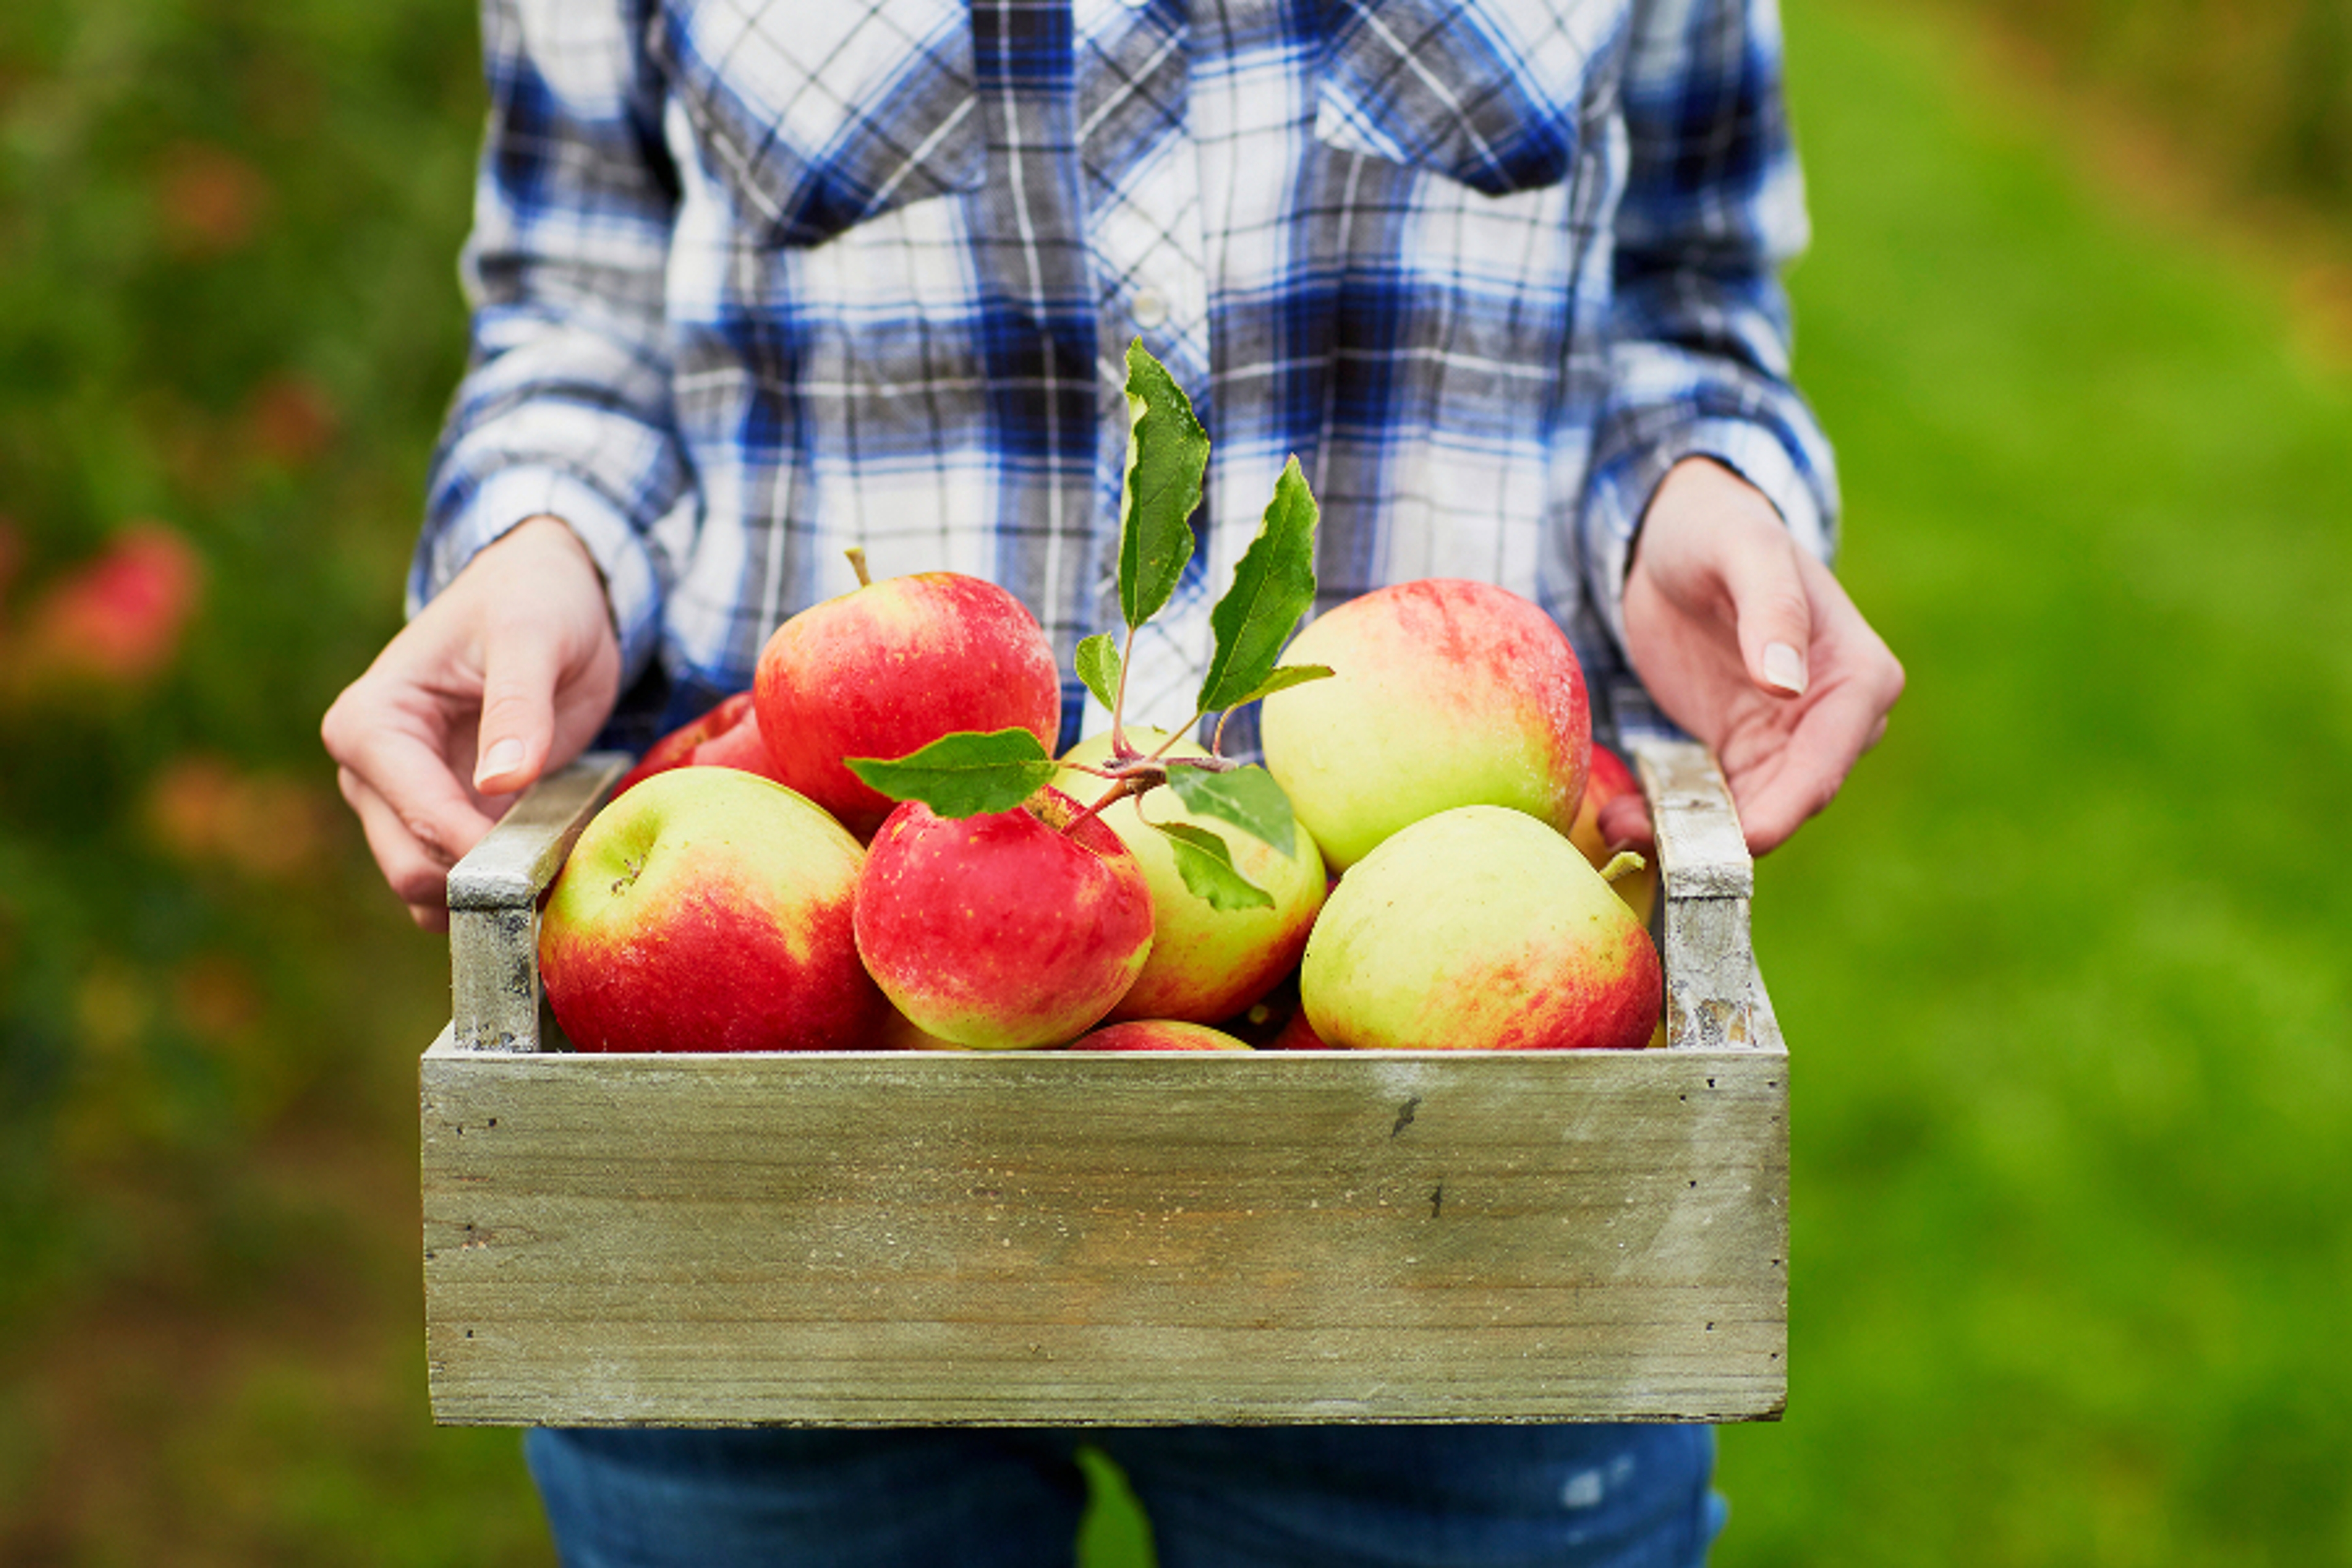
[[1070, 1239]]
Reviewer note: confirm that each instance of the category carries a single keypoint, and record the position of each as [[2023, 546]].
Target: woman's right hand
[[510, 669]]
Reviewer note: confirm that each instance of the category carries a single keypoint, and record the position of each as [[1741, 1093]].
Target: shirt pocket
[[819, 117], [1499, 95]]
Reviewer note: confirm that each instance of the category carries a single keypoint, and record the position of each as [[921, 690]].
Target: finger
[[1624, 823], [1861, 681], [521, 669], [1772, 612], [1805, 782], [395, 761], [416, 872]]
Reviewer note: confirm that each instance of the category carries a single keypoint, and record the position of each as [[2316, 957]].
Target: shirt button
[[1151, 310]]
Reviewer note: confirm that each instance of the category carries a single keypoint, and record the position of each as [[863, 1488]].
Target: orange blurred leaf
[[210, 200]]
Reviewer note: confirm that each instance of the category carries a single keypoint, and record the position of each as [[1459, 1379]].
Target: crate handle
[[1709, 877], [494, 904]]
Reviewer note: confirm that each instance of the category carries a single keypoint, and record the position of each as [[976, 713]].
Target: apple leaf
[[1099, 668], [1167, 453], [1249, 798], [965, 773], [1282, 678], [1274, 583], [1207, 867]]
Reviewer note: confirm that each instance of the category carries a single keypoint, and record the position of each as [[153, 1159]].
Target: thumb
[[1773, 614], [519, 678]]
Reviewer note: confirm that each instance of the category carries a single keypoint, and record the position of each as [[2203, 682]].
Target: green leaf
[[1249, 798], [965, 773], [1272, 585], [1167, 452], [1099, 668], [1207, 867], [1282, 678]]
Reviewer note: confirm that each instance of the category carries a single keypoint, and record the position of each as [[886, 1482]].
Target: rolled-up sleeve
[[1699, 345], [565, 407]]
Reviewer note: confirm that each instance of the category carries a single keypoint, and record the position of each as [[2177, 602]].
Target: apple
[[1479, 927], [889, 668], [897, 1032], [1445, 693], [727, 737], [1157, 1035], [1609, 779], [708, 909], [1002, 930], [1206, 965], [1298, 1034]]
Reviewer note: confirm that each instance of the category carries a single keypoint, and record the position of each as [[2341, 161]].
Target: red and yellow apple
[[1479, 927], [1205, 963], [1609, 779], [1002, 930], [1157, 1035], [889, 668], [1445, 693], [708, 909], [726, 737]]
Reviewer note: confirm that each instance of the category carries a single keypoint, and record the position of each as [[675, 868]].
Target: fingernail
[[502, 759], [1784, 667]]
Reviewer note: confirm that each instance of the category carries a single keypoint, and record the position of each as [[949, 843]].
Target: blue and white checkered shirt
[[757, 280]]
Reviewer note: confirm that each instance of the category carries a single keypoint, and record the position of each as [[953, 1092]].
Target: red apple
[[1479, 929], [708, 909], [726, 737], [1002, 930], [1157, 1035], [1445, 693], [1611, 778], [898, 1033], [886, 670], [1206, 963], [1298, 1034]]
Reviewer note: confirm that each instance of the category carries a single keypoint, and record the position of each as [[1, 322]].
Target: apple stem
[[1625, 863], [856, 553], [1118, 791]]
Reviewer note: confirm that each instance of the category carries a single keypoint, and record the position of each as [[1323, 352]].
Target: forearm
[[1700, 333], [565, 408]]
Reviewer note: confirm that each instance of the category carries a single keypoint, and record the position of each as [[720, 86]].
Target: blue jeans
[[1351, 1497]]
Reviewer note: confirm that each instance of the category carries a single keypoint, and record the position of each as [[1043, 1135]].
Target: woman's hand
[[510, 669], [1750, 644]]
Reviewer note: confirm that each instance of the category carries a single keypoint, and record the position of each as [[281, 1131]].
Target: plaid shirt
[[755, 281]]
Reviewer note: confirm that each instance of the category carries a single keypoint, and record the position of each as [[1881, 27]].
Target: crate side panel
[[883, 1240]]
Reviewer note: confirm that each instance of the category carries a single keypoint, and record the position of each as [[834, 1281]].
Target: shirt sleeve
[[565, 406], [1713, 207]]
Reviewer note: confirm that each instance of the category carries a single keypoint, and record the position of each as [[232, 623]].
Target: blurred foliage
[[228, 321], [2260, 91], [2062, 972]]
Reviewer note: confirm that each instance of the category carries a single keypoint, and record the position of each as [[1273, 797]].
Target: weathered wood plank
[[519, 855], [1054, 1239], [1709, 877], [494, 904]]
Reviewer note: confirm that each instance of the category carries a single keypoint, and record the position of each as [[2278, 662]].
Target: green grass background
[[2063, 972]]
